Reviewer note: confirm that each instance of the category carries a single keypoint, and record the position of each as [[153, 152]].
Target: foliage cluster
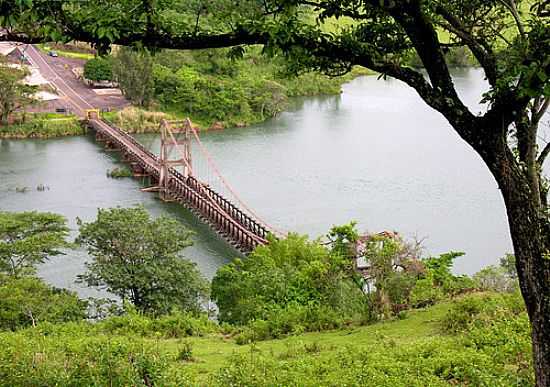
[[99, 69], [289, 286], [119, 172], [43, 128], [36, 359], [492, 350], [137, 258], [211, 86], [28, 239], [28, 301], [133, 72], [136, 120], [13, 93]]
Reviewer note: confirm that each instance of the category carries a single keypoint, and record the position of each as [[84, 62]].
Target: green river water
[[376, 154]]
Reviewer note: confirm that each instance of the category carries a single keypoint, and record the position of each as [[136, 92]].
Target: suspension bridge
[[177, 176]]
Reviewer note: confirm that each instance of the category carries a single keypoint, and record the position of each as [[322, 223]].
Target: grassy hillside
[[480, 339]]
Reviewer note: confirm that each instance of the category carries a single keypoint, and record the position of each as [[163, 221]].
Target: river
[[375, 154]]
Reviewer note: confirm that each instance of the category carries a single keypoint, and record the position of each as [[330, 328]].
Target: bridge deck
[[225, 218]]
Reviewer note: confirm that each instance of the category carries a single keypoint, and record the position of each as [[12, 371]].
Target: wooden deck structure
[[225, 218]]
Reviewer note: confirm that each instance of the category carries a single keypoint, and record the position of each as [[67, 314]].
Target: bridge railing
[[217, 219], [190, 188]]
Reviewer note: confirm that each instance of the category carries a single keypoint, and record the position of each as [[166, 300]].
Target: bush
[[174, 325], [432, 362], [292, 284], [185, 352], [43, 128], [480, 309], [34, 360], [28, 301], [135, 120], [425, 293], [118, 173], [98, 69]]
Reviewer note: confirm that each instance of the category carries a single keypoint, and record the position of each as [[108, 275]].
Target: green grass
[[67, 54], [212, 353], [43, 125], [492, 349]]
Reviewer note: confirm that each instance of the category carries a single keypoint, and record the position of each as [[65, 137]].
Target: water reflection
[[375, 154]]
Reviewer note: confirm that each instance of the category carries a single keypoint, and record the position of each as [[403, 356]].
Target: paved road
[[63, 87], [74, 93]]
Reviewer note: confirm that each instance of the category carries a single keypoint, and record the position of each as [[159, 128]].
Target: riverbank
[[137, 120], [42, 125]]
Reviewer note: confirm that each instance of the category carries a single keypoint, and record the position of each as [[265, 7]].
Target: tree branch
[[543, 155], [511, 6], [483, 53], [154, 38]]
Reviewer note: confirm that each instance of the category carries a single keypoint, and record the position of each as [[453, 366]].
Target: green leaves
[[28, 239], [292, 273], [138, 259], [13, 93], [28, 301], [98, 69]]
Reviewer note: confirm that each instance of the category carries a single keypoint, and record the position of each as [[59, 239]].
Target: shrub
[[480, 309], [35, 360], [28, 301], [98, 69], [118, 173], [425, 293], [135, 120], [174, 325], [288, 272], [185, 352], [43, 128], [462, 313]]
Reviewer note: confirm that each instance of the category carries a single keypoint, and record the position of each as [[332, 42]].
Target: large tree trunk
[[530, 231], [533, 265]]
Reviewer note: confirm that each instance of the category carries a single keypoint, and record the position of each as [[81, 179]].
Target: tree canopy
[[13, 93], [28, 239], [98, 69], [138, 259]]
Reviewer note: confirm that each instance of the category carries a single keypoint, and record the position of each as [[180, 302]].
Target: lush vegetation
[[290, 286], [136, 120], [161, 333], [28, 239], [27, 301], [13, 93], [41, 125], [490, 347], [136, 258], [509, 39], [212, 86], [98, 69]]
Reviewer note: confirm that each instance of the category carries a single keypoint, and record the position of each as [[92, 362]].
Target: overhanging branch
[[483, 53], [543, 155]]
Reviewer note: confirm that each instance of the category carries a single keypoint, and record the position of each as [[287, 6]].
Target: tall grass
[[44, 128]]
